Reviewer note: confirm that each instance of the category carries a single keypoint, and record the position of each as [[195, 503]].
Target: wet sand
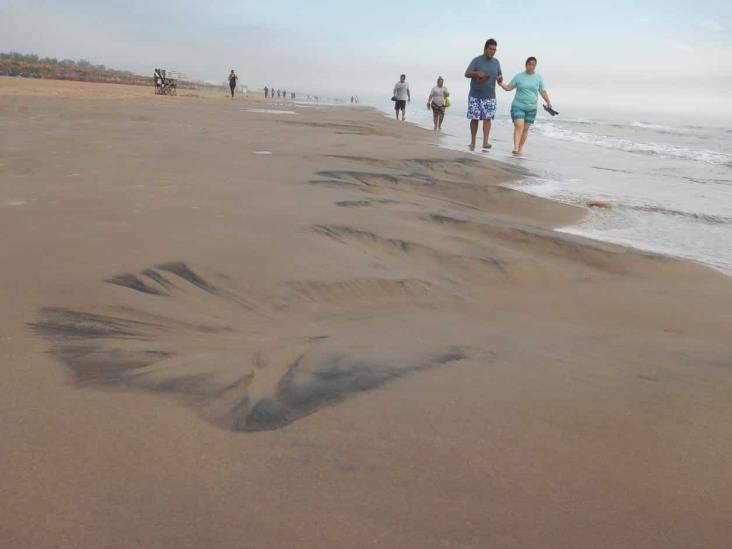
[[358, 340]]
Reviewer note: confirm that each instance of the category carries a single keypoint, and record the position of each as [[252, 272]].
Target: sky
[[649, 56]]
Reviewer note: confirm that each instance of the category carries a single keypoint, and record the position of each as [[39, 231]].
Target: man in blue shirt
[[484, 71]]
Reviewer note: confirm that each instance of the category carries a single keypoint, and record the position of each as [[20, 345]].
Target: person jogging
[[232, 82]]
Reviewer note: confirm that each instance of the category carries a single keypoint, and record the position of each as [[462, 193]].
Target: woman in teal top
[[528, 86]]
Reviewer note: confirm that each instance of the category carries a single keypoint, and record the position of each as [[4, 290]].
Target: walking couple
[[485, 72]]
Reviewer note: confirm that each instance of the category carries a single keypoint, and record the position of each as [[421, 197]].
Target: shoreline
[[212, 345], [529, 187]]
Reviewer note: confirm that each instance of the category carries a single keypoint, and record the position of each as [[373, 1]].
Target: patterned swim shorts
[[481, 109]]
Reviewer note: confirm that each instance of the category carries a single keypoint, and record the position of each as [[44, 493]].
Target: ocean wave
[[616, 170], [635, 124], [583, 121], [705, 218], [698, 128], [649, 126], [558, 190], [554, 131], [688, 130], [709, 180], [662, 129]]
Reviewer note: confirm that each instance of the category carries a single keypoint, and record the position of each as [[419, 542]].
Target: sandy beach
[[227, 327]]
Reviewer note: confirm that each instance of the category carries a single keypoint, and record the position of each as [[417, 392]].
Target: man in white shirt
[[401, 96]]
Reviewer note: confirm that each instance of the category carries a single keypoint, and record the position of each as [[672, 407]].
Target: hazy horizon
[[650, 57]]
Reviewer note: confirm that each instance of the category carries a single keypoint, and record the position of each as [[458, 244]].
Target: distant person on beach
[[284, 94], [401, 95], [232, 82], [437, 102], [266, 92], [484, 71], [528, 85], [278, 94]]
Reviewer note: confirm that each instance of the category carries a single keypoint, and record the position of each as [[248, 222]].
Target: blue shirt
[[528, 86], [487, 88]]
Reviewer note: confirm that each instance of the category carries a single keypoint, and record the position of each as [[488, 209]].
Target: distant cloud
[[710, 24], [678, 45]]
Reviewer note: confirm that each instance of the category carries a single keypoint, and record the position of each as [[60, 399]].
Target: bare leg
[[439, 122], [404, 113], [436, 118], [473, 133], [524, 135], [486, 134], [397, 114], [518, 130]]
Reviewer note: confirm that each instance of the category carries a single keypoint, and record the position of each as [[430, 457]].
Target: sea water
[[667, 185]]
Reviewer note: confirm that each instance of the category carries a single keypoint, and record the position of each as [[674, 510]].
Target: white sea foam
[[669, 188], [554, 131], [659, 127], [269, 111]]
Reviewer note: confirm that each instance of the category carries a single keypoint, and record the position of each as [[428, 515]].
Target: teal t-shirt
[[527, 87]]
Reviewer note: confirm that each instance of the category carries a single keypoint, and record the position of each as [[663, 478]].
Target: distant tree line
[[83, 70], [34, 66], [33, 59]]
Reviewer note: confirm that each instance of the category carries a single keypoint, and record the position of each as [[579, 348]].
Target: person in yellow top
[[437, 101]]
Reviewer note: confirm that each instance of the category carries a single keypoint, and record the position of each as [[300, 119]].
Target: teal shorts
[[518, 113]]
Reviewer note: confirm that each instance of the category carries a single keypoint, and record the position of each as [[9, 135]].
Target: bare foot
[[471, 146], [516, 153], [487, 146]]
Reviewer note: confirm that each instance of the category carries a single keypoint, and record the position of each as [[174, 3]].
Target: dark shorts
[[437, 109], [400, 104]]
